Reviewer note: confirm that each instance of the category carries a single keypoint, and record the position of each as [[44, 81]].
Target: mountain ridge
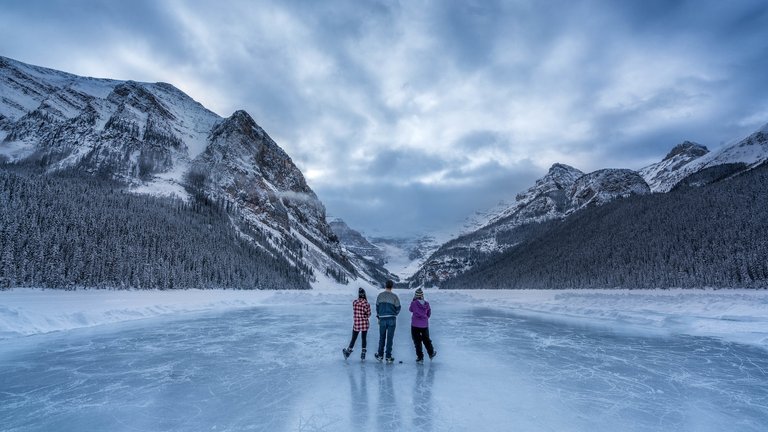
[[564, 191], [157, 140]]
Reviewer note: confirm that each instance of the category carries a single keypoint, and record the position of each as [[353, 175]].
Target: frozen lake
[[279, 368]]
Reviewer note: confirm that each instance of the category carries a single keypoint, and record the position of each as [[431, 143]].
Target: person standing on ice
[[361, 311], [421, 312], [387, 308]]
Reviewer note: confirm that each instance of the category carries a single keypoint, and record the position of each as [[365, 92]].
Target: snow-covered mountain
[[158, 140], [604, 186], [372, 258], [355, 242], [562, 191], [481, 218], [663, 176], [145, 134], [694, 161], [406, 255]]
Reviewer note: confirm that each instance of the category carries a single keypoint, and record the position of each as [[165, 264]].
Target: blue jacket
[[387, 305]]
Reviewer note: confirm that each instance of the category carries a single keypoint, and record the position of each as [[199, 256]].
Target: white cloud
[[436, 92]]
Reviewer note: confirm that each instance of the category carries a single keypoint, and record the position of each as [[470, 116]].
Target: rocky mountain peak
[[688, 149], [243, 119], [134, 94], [158, 140], [355, 242], [559, 168], [678, 163], [606, 185], [242, 128], [559, 177], [563, 175]]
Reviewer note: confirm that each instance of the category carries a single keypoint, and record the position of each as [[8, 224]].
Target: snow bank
[[26, 312], [732, 315]]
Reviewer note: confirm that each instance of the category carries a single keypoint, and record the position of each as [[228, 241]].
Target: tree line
[[67, 231], [691, 237]]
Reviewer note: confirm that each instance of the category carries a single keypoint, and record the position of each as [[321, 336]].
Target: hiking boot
[[420, 361], [431, 356], [346, 352], [378, 357], [390, 359], [362, 355]]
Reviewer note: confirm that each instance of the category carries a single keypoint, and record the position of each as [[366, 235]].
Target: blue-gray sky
[[407, 116]]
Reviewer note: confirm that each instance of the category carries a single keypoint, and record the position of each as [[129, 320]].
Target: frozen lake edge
[[732, 315]]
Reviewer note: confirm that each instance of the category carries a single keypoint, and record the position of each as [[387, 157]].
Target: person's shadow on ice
[[388, 415], [422, 398], [358, 387]]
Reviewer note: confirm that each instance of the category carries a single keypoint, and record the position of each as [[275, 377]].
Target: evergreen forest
[[68, 231], [692, 237]]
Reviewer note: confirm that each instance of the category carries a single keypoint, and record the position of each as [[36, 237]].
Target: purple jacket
[[421, 313]]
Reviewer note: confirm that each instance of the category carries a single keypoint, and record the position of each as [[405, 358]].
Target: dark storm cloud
[[401, 165], [432, 108], [480, 140], [419, 209]]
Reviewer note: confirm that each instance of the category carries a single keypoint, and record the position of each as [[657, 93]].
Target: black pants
[[354, 339], [421, 335]]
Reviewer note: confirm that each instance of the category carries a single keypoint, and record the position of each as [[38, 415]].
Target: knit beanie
[[419, 294], [360, 293]]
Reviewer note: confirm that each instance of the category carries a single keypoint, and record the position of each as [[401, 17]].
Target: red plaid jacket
[[361, 311]]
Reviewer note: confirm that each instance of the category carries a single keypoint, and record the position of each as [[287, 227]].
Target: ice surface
[[733, 315], [278, 367]]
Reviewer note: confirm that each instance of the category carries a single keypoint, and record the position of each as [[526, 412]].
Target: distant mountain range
[[401, 256], [565, 194], [154, 139], [71, 147]]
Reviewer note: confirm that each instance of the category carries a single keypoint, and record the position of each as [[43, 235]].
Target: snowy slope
[[143, 133], [562, 191], [355, 242], [604, 186], [565, 190], [663, 175], [406, 255], [751, 151], [158, 140], [689, 158], [482, 218], [543, 200]]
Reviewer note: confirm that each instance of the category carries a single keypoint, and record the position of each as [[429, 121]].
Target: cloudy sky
[[408, 116]]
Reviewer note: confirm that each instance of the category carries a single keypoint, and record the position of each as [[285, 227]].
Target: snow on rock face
[[565, 190], [405, 256], [664, 175], [160, 141], [244, 164], [689, 158], [606, 185], [356, 242], [752, 151], [547, 199], [133, 131], [560, 192]]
